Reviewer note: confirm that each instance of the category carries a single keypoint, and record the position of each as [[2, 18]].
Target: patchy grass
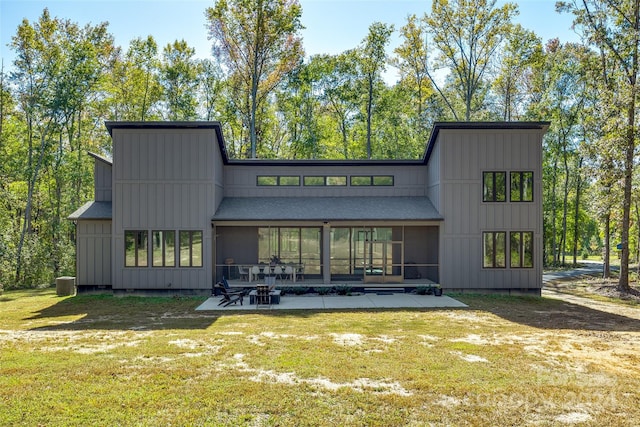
[[100, 360]]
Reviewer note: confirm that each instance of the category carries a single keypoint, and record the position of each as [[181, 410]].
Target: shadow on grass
[[107, 312], [124, 313], [549, 313]]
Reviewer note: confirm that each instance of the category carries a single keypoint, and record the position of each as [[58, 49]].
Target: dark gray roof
[[101, 158], [93, 210], [326, 209]]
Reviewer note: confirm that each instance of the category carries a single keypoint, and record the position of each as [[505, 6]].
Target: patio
[[334, 302]]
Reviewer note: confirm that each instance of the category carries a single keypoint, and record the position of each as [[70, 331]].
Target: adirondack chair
[[229, 296]]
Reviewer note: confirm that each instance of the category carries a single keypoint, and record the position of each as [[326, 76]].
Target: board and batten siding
[[241, 181], [102, 181], [464, 155], [93, 253], [164, 179]]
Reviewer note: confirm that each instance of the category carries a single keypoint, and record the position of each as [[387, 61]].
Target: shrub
[[343, 290], [296, 290], [324, 290], [424, 290]]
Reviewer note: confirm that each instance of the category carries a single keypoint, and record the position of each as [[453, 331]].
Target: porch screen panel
[[289, 245], [340, 251], [310, 254]]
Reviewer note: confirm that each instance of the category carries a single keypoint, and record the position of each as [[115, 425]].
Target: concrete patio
[[362, 301]]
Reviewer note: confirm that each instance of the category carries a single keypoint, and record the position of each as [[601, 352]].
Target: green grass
[[100, 360]]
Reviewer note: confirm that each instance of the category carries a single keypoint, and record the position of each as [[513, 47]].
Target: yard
[[100, 360]]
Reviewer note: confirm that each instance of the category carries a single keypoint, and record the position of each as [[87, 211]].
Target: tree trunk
[[623, 281], [576, 221], [26, 225], [565, 201], [606, 269], [554, 212], [369, 109]]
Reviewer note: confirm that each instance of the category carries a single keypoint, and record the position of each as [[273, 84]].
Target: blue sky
[[332, 26]]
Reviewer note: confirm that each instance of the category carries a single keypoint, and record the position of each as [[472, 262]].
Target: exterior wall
[[93, 253], [241, 181], [464, 155], [433, 177], [164, 179], [102, 181]]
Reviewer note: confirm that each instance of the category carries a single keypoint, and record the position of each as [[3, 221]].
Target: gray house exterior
[[173, 214]]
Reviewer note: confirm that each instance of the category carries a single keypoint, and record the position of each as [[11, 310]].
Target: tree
[[467, 34], [614, 27], [179, 79], [211, 85], [520, 56], [258, 42], [412, 61], [337, 87], [372, 61], [58, 68], [135, 89]]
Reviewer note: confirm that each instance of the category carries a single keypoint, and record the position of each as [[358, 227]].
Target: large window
[[191, 248], [135, 248], [521, 248], [494, 186], [494, 249], [292, 245], [521, 186], [163, 248]]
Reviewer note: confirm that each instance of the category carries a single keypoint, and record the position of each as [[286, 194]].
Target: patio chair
[[288, 273], [243, 271], [277, 272], [229, 296]]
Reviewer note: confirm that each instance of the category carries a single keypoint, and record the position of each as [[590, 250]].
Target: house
[[174, 214]]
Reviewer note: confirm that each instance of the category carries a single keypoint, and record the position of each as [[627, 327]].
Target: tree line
[[458, 61]]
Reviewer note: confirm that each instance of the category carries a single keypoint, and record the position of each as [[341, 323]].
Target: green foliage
[[343, 289]]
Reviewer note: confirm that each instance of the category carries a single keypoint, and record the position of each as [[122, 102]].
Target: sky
[[331, 26]]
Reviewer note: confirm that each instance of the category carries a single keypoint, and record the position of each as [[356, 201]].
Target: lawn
[[100, 360]]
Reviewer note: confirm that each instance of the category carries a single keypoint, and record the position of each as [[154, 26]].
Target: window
[[521, 248], [273, 180], [337, 180], [494, 249], [267, 180], [318, 181], [385, 180], [190, 248], [289, 180], [494, 186], [378, 180], [521, 186], [360, 181], [163, 248], [315, 181], [135, 249]]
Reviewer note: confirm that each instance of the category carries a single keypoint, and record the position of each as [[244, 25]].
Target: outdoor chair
[[288, 273], [255, 272], [243, 271], [277, 271], [229, 296]]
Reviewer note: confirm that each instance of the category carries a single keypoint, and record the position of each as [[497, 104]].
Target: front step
[[398, 290]]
